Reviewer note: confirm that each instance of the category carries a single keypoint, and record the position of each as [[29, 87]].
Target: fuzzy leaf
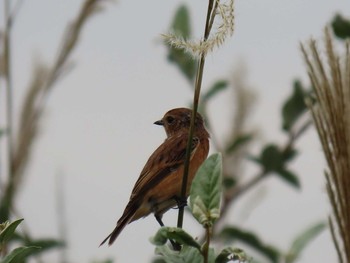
[[176, 234], [233, 233], [186, 255], [303, 240], [294, 107], [7, 233], [341, 27], [19, 254], [206, 190], [182, 28], [230, 254]]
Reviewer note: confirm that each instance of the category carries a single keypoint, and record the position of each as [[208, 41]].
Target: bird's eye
[[170, 120]]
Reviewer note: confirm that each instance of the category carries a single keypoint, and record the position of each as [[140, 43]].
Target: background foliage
[[274, 159]]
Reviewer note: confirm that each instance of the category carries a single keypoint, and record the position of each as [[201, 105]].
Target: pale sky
[[98, 131]]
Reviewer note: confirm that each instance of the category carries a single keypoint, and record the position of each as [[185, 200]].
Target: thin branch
[[234, 195], [198, 85]]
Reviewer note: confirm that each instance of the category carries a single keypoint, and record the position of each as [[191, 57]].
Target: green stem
[[198, 85], [205, 250]]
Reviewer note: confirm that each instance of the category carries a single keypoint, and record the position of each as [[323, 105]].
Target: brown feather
[[159, 183]]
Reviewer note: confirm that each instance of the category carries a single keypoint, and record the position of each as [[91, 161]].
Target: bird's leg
[[155, 210], [159, 219], [181, 202], [176, 246]]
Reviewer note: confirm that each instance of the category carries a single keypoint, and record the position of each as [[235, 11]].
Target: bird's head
[[178, 120]]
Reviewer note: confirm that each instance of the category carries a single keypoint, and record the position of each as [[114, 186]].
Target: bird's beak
[[160, 122]]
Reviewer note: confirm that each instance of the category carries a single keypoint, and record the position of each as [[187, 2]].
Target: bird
[[158, 187]]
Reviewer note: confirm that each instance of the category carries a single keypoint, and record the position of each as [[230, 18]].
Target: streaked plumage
[[159, 184]]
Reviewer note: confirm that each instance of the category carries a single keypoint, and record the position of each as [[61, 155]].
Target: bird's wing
[[165, 159]]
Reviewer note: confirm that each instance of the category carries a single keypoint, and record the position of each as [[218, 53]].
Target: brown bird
[[159, 186]]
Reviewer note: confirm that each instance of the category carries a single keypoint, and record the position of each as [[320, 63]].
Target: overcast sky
[[97, 132]]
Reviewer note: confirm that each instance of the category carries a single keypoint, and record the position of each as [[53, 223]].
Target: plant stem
[[205, 250], [198, 85], [238, 191], [8, 87]]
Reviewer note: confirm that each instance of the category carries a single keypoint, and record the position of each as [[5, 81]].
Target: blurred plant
[[331, 114], [43, 81], [341, 27], [7, 232], [272, 160], [29, 248], [104, 261], [218, 184]]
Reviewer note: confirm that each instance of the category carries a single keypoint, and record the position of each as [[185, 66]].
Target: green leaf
[[176, 234], [211, 255], [238, 142], [186, 255], [218, 86], [303, 240], [158, 260], [7, 233], [289, 154], [271, 158], [294, 107], [341, 27], [45, 244], [230, 254], [181, 22], [233, 233], [206, 189], [289, 177], [182, 28], [19, 254], [229, 182]]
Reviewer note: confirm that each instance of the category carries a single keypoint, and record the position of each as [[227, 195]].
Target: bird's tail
[[115, 233]]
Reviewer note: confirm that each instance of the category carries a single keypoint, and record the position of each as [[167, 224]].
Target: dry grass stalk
[[331, 114], [44, 79]]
